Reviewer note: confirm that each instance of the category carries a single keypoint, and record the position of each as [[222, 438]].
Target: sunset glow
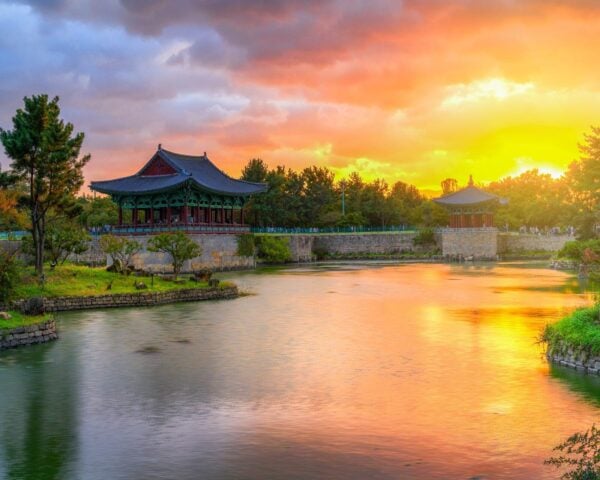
[[415, 91]]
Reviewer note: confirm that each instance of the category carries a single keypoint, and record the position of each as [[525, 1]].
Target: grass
[[581, 329], [17, 319], [77, 280]]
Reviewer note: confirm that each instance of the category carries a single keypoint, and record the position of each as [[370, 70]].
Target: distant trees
[[312, 198], [45, 157]]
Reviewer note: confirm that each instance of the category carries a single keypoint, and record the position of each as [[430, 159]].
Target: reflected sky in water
[[345, 371]]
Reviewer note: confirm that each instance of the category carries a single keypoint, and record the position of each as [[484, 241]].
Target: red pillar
[[120, 216], [169, 215], [134, 213], [242, 215], [184, 214], [151, 219], [222, 217]]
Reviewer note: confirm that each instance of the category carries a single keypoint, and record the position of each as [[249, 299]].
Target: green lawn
[[580, 329], [77, 280], [19, 320]]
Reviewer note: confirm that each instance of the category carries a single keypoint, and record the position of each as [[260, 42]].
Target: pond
[[340, 371]]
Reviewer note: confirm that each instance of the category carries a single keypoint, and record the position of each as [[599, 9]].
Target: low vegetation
[[75, 280], [17, 319], [581, 330]]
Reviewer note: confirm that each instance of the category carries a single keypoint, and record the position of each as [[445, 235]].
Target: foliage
[[274, 249], [425, 237], [581, 329], [64, 239], [45, 156], [121, 250], [9, 274], [246, 245], [584, 251], [580, 452], [534, 200], [178, 245], [97, 212]]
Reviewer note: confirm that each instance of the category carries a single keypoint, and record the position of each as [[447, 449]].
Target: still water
[[332, 372]]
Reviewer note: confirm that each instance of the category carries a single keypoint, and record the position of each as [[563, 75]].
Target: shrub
[[178, 245], [63, 240], [581, 329], [425, 237], [246, 245], [274, 249], [121, 250], [9, 274], [580, 250], [581, 452]]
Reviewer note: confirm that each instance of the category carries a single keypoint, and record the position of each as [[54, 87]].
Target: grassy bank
[[77, 280], [17, 319], [580, 330]]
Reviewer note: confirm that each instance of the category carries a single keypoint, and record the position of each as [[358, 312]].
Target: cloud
[[324, 81]]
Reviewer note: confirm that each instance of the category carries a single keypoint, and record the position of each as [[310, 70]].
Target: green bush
[[575, 249], [9, 275], [425, 237], [246, 245], [274, 249], [121, 250]]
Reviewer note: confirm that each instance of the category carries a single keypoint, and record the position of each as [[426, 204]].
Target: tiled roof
[[199, 170], [470, 195]]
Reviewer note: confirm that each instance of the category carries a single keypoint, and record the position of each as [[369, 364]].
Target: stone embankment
[[138, 299], [571, 357], [28, 335]]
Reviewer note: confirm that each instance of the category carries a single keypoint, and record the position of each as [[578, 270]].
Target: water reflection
[[38, 426], [411, 371]]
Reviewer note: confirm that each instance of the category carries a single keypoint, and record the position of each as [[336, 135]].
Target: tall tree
[[449, 185], [45, 154]]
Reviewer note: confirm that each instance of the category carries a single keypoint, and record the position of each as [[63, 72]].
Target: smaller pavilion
[[179, 192], [470, 207]]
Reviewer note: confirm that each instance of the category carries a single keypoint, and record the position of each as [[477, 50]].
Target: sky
[[415, 90]]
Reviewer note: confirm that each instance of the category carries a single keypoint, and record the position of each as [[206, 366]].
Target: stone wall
[[365, 243], [476, 243], [28, 335], [219, 252], [301, 247], [576, 358], [515, 243], [137, 299]]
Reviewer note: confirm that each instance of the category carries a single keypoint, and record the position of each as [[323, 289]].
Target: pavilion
[[471, 207], [179, 192]]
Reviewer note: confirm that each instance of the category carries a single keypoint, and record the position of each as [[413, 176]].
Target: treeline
[[312, 198]]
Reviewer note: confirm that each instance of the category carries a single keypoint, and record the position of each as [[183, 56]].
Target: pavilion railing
[[316, 230], [189, 228]]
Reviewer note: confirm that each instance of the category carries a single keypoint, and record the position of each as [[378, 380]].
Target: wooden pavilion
[[471, 207], [179, 192]]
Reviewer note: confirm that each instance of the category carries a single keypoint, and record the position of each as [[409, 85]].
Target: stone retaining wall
[[365, 243], [219, 252], [515, 243], [138, 299], [576, 358], [475, 243], [28, 335]]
